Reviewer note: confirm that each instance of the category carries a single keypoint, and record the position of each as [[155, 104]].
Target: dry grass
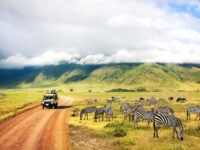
[[142, 137]]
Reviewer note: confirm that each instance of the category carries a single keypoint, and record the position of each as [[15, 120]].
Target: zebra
[[193, 109], [168, 120], [124, 106], [181, 99], [109, 110], [164, 109], [98, 113], [153, 101], [87, 110], [145, 115], [116, 100], [3, 95], [127, 113], [144, 102], [89, 101], [109, 101], [95, 100], [161, 99], [170, 98], [137, 102]]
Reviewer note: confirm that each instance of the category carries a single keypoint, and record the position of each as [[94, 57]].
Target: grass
[[17, 101], [103, 133], [143, 134]]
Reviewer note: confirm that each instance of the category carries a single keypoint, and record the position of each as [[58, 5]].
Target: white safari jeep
[[50, 99]]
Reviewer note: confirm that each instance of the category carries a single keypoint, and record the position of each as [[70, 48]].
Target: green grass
[[17, 101], [134, 76], [143, 134]]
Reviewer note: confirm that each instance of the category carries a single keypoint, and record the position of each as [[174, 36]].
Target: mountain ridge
[[149, 76]]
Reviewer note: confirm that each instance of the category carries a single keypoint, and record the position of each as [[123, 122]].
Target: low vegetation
[[123, 135]]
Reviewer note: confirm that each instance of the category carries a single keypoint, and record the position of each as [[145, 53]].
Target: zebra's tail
[[187, 114]]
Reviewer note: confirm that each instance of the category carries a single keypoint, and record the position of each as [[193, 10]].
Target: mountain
[[148, 76]]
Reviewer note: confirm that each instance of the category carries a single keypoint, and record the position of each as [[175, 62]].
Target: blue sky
[[35, 32], [184, 8]]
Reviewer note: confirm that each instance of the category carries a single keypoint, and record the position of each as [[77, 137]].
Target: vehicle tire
[[56, 105]]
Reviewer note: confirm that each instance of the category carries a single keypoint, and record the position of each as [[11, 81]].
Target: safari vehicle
[[50, 99]]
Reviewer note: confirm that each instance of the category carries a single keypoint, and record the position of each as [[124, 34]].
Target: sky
[[47, 32]]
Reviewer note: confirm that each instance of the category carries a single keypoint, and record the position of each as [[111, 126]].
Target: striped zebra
[[193, 109], [168, 120], [87, 110], [164, 109], [98, 113], [89, 101], [127, 113], [109, 110], [137, 102], [145, 115], [124, 106], [109, 101]]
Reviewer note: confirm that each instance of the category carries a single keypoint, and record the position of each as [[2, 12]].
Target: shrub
[[90, 91], [120, 132], [156, 90], [141, 90], [114, 125], [120, 90], [71, 90]]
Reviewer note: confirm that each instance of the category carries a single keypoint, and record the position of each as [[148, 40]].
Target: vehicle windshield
[[48, 97]]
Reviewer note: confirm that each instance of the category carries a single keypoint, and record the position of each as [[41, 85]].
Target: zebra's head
[[181, 131]]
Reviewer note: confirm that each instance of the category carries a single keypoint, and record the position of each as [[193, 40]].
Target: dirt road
[[37, 129]]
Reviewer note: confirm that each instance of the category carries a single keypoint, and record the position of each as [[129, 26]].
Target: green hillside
[[148, 76]]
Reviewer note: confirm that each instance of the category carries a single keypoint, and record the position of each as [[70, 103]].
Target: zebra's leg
[[85, 116], [148, 125], [173, 131], [137, 122], [157, 127], [196, 116], [177, 133], [189, 115], [134, 121]]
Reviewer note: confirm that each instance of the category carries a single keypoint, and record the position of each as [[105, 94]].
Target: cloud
[[49, 57], [99, 31]]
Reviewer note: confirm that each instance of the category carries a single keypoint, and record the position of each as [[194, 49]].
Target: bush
[[120, 132], [120, 90], [71, 90], [114, 125], [141, 90], [156, 90], [90, 91]]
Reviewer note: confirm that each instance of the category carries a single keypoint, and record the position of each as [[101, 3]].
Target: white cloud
[[49, 57], [100, 31]]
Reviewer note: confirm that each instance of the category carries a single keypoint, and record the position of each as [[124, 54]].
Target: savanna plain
[[117, 133]]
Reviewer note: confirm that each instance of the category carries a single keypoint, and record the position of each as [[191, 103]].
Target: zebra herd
[[158, 115]]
